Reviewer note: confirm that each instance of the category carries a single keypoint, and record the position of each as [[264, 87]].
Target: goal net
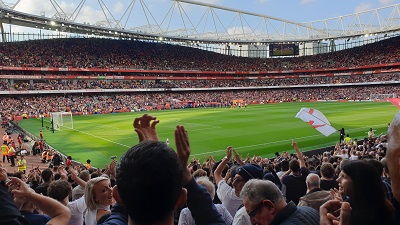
[[62, 119], [381, 97]]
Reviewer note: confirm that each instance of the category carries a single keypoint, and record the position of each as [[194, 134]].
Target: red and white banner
[[317, 120]]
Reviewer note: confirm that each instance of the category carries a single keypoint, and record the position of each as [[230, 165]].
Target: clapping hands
[[145, 127]]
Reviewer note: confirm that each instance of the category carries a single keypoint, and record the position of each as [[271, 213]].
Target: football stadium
[[129, 103]]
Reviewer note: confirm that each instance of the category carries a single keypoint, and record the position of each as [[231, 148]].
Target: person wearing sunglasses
[[265, 204]]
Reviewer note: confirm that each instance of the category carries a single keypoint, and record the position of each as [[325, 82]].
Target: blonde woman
[[98, 198]]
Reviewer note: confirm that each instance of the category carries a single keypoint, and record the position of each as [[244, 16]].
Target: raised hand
[[21, 189], [336, 195], [145, 127], [237, 156], [61, 170], [334, 212], [113, 169], [183, 150], [3, 173], [73, 173], [295, 145], [229, 152]]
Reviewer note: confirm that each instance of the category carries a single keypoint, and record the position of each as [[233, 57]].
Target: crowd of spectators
[[104, 53], [145, 84], [154, 183], [288, 189], [112, 102]]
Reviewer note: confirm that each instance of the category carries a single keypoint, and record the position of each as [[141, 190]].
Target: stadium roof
[[213, 24]]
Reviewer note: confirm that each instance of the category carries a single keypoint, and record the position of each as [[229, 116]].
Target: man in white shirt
[[60, 189], [230, 196]]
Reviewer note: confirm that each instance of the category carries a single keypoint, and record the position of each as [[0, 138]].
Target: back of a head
[[294, 165], [149, 180], [59, 190], [377, 164], [313, 180], [256, 190], [327, 170], [47, 174], [205, 182], [84, 175], [285, 165], [199, 173]]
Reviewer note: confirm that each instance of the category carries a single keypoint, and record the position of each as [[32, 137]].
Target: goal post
[[381, 97], [62, 119]]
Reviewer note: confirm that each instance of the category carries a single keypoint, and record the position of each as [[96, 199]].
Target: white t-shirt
[[78, 208], [186, 218], [90, 217], [241, 217], [228, 197]]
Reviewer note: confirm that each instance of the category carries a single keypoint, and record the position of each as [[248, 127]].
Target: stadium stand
[[347, 75]]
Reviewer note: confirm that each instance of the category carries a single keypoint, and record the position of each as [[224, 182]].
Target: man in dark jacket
[[56, 159], [266, 205]]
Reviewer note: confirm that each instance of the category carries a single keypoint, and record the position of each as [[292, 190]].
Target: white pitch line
[[204, 125], [249, 146], [274, 142], [101, 125], [190, 131], [101, 138]]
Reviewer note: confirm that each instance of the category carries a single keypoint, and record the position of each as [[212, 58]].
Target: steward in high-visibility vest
[[49, 156], [22, 164], [11, 154], [88, 166], [44, 156], [4, 151], [347, 140]]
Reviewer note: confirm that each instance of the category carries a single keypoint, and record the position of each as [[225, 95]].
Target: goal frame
[[58, 120], [381, 97]]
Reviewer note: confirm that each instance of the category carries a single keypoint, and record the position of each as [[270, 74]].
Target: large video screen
[[283, 49]]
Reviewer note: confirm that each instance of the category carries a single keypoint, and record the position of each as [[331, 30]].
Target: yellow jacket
[[4, 149], [21, 164]]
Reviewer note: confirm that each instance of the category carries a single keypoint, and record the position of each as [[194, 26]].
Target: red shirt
[[68, 163], [19, 139]]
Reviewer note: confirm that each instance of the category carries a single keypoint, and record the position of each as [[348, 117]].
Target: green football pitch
[[257, 130]]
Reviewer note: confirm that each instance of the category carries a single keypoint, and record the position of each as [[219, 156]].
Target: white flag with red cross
[[317, 120]]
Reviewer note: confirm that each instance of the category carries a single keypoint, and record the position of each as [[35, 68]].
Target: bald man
[[315, 196], [393, 161]]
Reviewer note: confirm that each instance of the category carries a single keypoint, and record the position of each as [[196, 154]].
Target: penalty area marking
[[101, 125], [104, 139]]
